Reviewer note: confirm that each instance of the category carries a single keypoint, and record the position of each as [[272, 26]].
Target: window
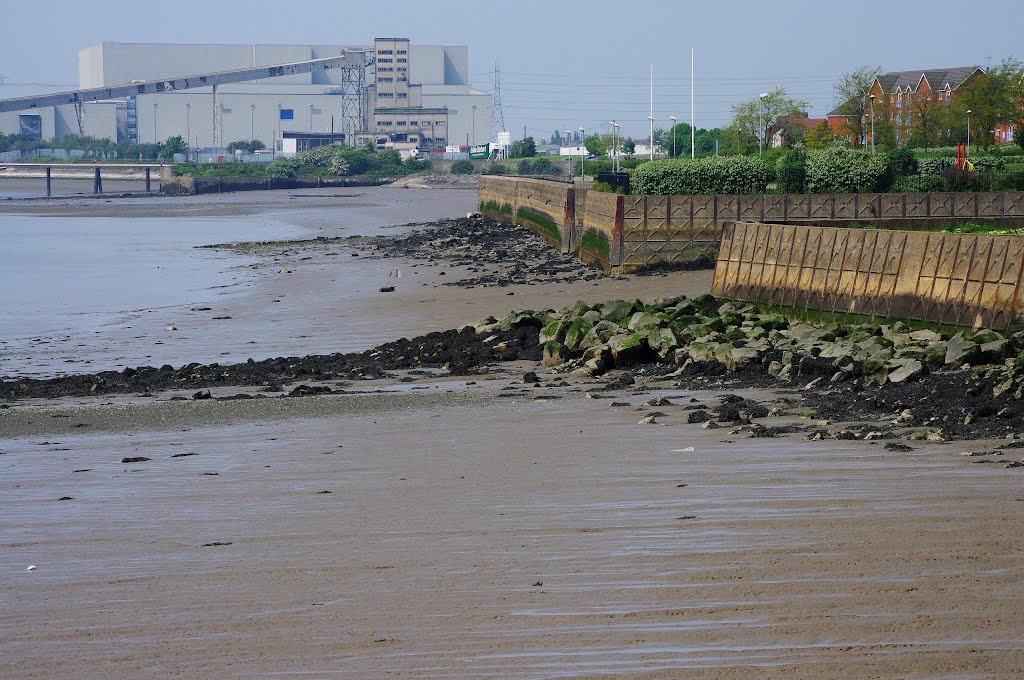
[[403, 95], [287, 114], [439, 123], [403, 51], [386, 95], [386, 80], [31, 125], [386, 52], [402, 60], [402, 79], [386, 123], [385, 68], [401, 123], [382, 60]]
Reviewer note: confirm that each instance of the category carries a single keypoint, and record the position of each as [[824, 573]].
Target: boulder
[[735, 358], [663, 341], [645, 321], [554, 353], [960, 350], [629, 349], [617, 310], [576, 332], [910, 370]]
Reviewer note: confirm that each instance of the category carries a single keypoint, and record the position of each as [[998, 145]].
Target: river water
[[82, 293]]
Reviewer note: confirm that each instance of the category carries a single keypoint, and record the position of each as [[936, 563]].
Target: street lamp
[[651, 119], [968, 133], [872, 123], [583, 155], [188, 123], [618, 140], [614, 146], [673, 119], [760, 124], [474, 128]]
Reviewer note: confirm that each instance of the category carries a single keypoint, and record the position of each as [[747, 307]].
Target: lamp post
[[474, 129], [673, 119], [618, 140], [155, 138], [614, 137], [760, 124], [252, 122], [872, 123], [583, 156], [651, 119], [188, 122], [968, 133]]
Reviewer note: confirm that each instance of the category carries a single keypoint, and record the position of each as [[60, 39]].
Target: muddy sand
[[496, 524]]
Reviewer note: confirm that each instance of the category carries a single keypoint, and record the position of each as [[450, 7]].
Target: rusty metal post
[[97, 182], [147, 179], [48, 183]]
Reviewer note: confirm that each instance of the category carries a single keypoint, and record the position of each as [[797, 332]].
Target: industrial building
[[393, 93]]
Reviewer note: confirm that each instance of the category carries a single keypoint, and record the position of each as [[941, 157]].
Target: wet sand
[[472, 536], [480, 528]]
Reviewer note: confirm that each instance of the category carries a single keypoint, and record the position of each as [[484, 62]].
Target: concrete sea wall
[[961, 279]]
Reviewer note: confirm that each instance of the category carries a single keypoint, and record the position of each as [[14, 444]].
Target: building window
[[402, 95], [400, 123], [439, 123], [402, 79], [402, 68], [386, 52], [386, 123], [287, 114], [402, 60], [386, 80], [385, 68], [403, 51], [386, 94]]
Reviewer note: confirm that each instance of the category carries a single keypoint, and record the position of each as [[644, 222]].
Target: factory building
[[393, 92]]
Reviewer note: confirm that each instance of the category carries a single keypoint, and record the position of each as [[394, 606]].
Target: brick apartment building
[[899, 96]]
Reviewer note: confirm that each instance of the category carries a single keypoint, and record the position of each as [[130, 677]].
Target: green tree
[[594, 145], [173, 145], [247, 146], [763, 117], [929, 123], [884, 129], [1018, 135], [680, 135], [628, 146], [462, 167], [993, 99], [523, 148], [851, 92], [820, 137]]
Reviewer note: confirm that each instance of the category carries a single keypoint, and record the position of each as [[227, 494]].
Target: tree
[[993, 100], [884, 130], [851, 92], [1018, 135], [523, 148], [820, 137], [681, 133], [767, 112], [556, 138], [628, 146], [173, 145], [247, 146], [594, 145], [929, 122]]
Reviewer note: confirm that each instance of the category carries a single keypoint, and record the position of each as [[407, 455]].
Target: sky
[[563, 65]]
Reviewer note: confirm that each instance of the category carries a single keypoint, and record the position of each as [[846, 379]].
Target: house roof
[[938, 78]]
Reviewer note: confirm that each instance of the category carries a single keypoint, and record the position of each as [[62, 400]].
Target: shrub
[[839, 170], [462, 167], [525, 167], [339, 166], [791, 171], [495, 169], [283, 168], [912, 183], [902, 162], [725, 175], [544, 166], [320, 157], [358, 160], [389, 157]]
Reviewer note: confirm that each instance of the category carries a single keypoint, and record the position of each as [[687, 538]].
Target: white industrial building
[[342, 100]]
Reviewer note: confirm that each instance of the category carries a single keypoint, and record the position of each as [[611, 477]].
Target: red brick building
[[903, 98]]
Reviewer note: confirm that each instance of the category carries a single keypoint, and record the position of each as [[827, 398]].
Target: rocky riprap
[[494, 253], [966, 384]]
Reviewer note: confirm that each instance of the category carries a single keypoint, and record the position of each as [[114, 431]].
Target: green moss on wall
[[596, 244], [546, 225]]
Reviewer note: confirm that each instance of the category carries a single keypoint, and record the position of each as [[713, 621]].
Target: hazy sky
[[564, 64]]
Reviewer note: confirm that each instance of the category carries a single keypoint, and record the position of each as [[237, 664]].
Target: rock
[[814, 383], [663, 341], [995, 351], [774, 368], [643, 320], [710, 425], [519, 319], [134, 459], [905, 417], [960, 350], [617, 310], [935, 353], [202, 394], [530, 378], [649, 420], [910, 370], [554, 353], [629, 349], [735, 358], [659, 401], [170, 327], [576, 332], [500, 348], [387, 289], [695, 417], [553, 331]]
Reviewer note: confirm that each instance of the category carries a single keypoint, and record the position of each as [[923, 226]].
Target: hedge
[[723, 175], [843, 170]]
